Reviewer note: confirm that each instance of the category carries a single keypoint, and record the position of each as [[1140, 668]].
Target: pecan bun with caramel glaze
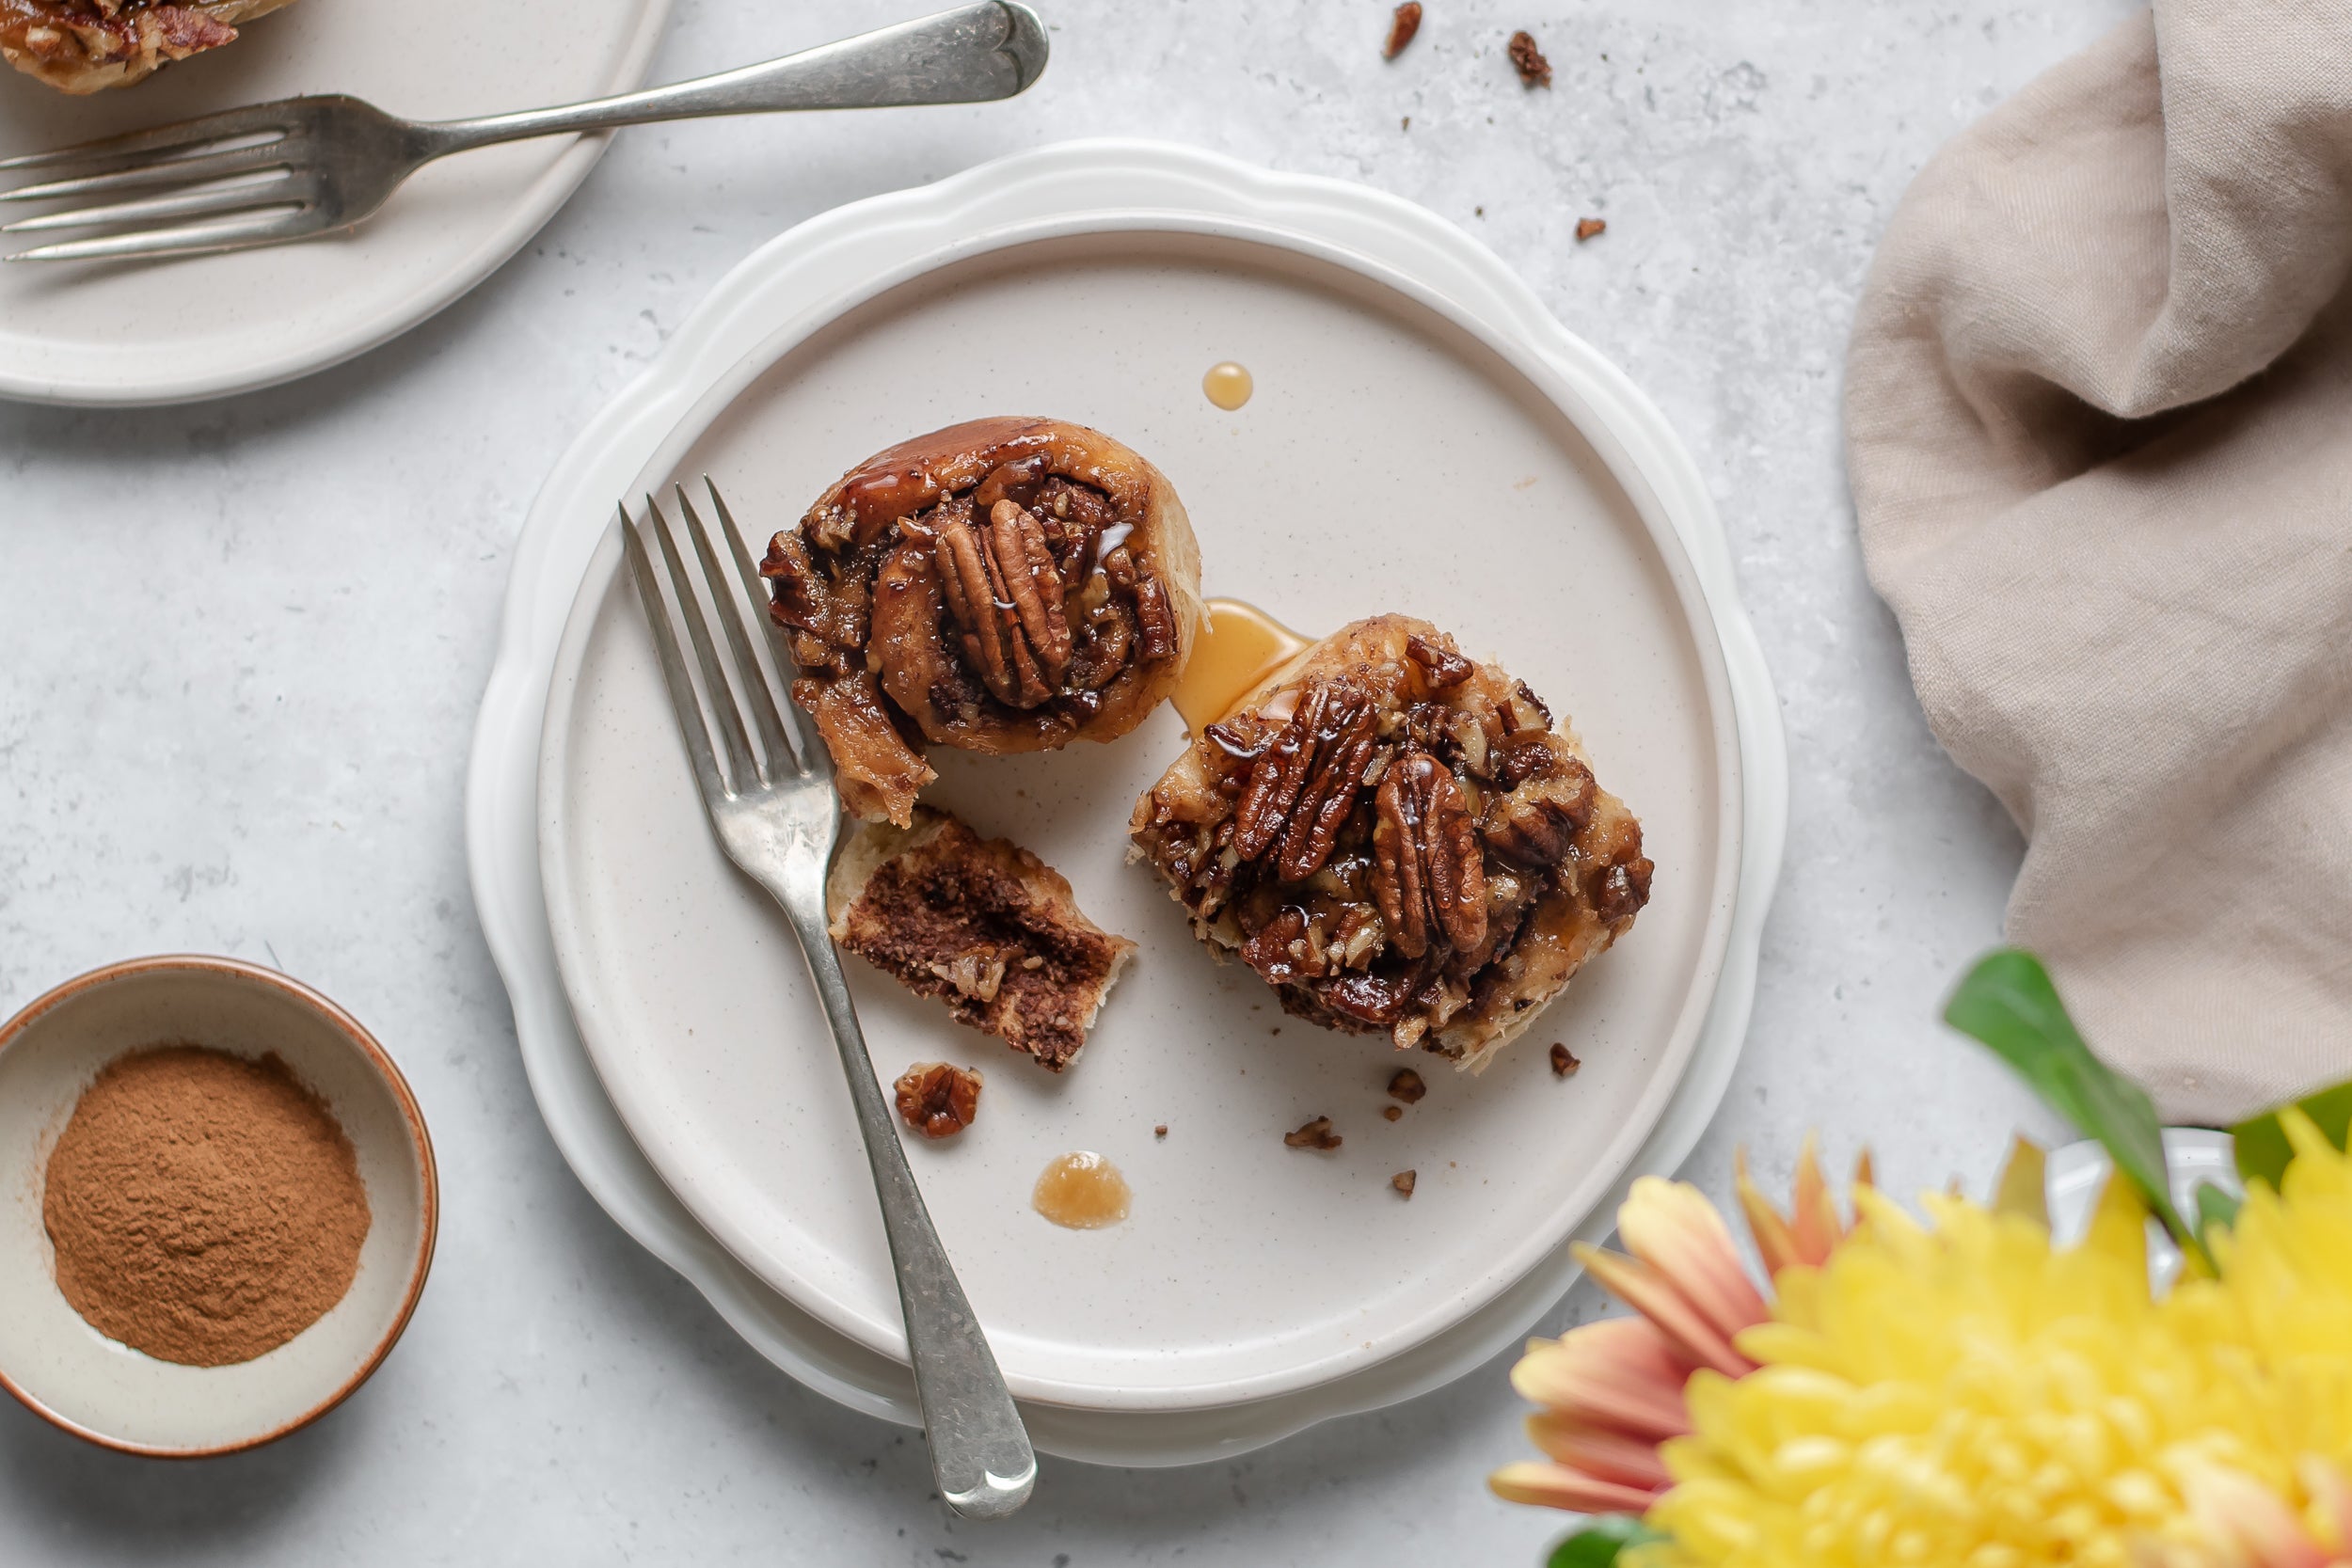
[[85, 46], [1006, 585], [1399, 840]]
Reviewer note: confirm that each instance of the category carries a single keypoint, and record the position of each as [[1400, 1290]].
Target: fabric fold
[[2099, 425]]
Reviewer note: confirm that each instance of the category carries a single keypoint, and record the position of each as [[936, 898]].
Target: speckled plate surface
[[209, 326], [1252, 1273]]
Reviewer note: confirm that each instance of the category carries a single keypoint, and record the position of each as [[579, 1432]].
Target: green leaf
[[2215, 1207], [2263, 1151], [2009, 1002], [1598, 1542]]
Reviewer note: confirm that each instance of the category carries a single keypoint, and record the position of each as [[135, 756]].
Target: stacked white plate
[[1424, 438]]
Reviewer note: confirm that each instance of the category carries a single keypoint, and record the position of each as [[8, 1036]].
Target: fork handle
[[972, 54], [981, 1452]]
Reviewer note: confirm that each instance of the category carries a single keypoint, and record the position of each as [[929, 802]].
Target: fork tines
[[737, 700], [241, 169]]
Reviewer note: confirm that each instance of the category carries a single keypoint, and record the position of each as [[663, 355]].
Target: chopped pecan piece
[[1588, 229], [1624, 889], [1406, 1085], [1278, 948], [1535, 825], [1392, 1113], [937, 1100], [1563, 1063], [1316, 1135], [1370, 998], [1404, 1182], [1528, 60], [1429, 873], [1402, 26], [1446, 669]]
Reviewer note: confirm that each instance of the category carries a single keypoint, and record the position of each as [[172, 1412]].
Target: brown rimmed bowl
[[98, 1388]]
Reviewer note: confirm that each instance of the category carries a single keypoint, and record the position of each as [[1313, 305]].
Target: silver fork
[[303, 166], [769, 790]]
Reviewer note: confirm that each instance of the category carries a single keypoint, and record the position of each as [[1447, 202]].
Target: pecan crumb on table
[[937, 1100], [1402, 26], [1563, 1063], [1403, 1180], [1406, 1085], [1535, 70], [1316, 1135], [1589, 228]]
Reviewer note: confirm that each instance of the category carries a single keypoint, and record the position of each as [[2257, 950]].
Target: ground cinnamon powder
[[204, 1208]]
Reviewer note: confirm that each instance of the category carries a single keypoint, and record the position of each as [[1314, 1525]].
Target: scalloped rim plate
[[813, 275]]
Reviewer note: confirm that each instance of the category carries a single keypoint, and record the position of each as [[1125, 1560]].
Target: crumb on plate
[[1314, 1135]]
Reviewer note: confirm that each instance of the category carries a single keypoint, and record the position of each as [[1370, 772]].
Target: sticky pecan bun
[[1399, 840], [1006, 585], [84, 46]]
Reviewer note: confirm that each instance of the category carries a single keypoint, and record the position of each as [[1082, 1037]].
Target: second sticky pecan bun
[[1005, 585], [1400, 840]]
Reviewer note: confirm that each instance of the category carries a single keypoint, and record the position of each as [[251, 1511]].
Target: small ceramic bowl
[[95, 1387]]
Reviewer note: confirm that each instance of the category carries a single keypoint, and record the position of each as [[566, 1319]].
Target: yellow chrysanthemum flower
[[2280, 1316], [1966, 1396]]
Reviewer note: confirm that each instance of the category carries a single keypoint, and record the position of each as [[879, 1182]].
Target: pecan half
[[1005, 591], [1429, 875], [1155, 622], [1304, 782], [1343, 747]]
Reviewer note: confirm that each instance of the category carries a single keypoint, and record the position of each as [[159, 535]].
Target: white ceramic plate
[[1393, 458], [206, 326], [808, 277]]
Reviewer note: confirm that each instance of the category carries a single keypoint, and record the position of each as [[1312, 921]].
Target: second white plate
[[1400, 453], [209, 326]]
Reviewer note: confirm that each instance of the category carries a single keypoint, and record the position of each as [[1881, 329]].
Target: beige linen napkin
[[2099, 424]]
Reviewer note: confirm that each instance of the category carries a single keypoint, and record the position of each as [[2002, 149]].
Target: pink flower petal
[[1671, 1226], [1605, 1455], [1557, 1486], [1648, 1293]]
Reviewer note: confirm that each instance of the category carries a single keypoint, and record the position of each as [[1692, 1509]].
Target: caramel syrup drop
[[1228, 386], [1239, 646], [1082, 1192]]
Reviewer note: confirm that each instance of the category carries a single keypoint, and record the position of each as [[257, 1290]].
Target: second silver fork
[[768, 787]]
